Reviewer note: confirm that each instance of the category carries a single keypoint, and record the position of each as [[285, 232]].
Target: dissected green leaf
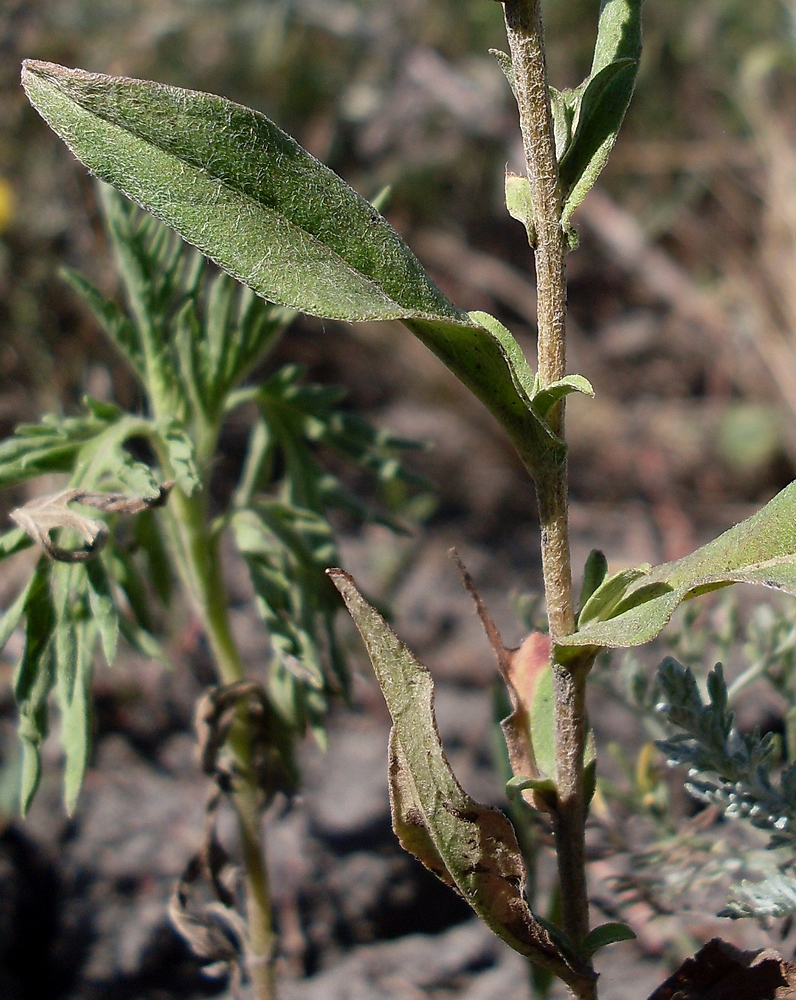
[[34, 679], [12, 541], [633, 606], [240, 189], [13, 614], [149, 541], [286, 550], [180, 449], [74, 702], [296, 419], [103, 608], [470, 845], [113, 320], [49, 446]]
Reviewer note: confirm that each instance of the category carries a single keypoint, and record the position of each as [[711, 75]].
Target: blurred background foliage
[[683, 301]]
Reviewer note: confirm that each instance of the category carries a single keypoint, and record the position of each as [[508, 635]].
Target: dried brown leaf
[[720, 971], [39, 517]]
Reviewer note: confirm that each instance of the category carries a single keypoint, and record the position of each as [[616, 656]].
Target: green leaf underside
[[631, 607], [248, 196], [466, 844]]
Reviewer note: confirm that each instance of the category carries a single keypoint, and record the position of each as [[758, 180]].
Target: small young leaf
[[519, 204], [594, 574], [605, 934], [633, 606], [604, 600], [545, 399], [506, 66], [562, 122], [603, 99]]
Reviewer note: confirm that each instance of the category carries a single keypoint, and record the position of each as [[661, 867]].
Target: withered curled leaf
[[39, 517]]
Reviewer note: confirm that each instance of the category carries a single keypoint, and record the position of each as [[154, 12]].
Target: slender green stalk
[[526, 42], [199, 565], [195, 550]]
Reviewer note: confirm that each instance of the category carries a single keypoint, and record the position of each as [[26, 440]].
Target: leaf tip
[[342, 580]]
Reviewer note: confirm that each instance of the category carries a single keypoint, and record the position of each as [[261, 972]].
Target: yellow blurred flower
[[6, 204]]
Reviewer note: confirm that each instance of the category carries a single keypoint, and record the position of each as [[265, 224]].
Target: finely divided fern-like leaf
[[731, 770]]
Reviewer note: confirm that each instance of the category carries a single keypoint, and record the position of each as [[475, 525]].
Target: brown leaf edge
[[521, 668], [494, 883], [720, 971]]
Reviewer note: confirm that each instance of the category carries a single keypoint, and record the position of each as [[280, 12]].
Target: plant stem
[[526, 42], [199, 564]]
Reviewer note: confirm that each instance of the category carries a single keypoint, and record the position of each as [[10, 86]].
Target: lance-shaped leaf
[[470, 846], [631, 607], [602, 100], [248, 196]]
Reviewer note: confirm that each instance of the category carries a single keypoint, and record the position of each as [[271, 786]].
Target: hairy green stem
[[526, 43], [194, 547], [199, 564]]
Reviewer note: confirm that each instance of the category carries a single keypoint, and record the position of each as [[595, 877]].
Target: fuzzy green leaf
[[545, 399], [633, 606], [466, 844], [506, 66], [248, 196], [562, 122], [519, 204], [241, 190], [602, 100], [521, 373]]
